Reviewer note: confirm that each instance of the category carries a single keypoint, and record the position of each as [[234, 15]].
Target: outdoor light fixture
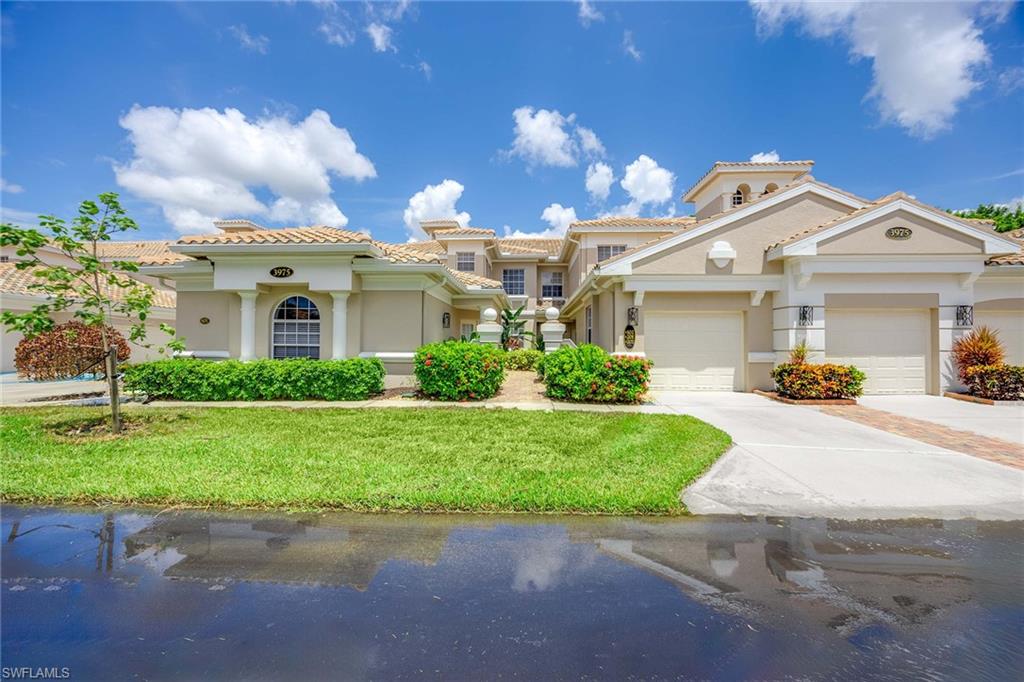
[[446, 320], [632, 315], [965, 316], [806, 317], [721, 254]]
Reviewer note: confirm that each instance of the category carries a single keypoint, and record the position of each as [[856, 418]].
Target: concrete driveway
[[15, 391], [797, 461], [995, 421]]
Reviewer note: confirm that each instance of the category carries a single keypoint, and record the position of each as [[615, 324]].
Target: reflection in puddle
[[191, 594]]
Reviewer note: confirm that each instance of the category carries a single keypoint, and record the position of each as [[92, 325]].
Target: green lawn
[[369, 459]]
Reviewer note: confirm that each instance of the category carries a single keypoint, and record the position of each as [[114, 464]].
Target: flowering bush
[[523, 359], [996, 382], [66, 351], [590, 374], [802, 381], [456, 370], [294, 379], [978, 347]]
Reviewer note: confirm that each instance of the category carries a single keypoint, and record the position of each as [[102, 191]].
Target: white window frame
[[299, 333], [609, 251], [509, 278], [465, 261], [588, 317], [466, 329], [549, 280]]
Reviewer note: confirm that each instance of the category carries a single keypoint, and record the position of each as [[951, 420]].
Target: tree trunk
[[110, 365]]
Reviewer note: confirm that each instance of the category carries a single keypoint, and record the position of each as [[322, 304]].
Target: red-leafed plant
[[979, 347], [67, 351]]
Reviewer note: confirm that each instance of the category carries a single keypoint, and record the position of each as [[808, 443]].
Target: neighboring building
[[772, 257], [17, 296]]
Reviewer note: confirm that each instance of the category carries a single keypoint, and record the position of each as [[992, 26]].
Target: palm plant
[[513, 328], [979, 347]]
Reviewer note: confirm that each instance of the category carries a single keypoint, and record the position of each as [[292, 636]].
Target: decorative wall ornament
[[204, 320], [281, 271], [806, 316], [721, 254], [446, 320], [629, 336], [965, 316], [899, 233], [632, 315]]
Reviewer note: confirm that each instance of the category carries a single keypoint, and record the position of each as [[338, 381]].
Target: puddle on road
[[191, 595]]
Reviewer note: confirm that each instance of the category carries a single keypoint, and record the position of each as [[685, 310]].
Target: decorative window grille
[[465, 262], [737, 198], [965, 316], [806, 316], [606, 251], [514, 281], [551, 284], [296, 332]]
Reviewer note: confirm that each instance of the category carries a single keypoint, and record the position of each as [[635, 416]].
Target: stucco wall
[[222, 331], [926, 238], [433, 312], [392, 320]]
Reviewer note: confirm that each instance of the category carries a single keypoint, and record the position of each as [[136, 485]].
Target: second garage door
[[695, 351], [890, 346]]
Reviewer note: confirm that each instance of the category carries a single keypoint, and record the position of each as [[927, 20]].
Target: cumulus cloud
[[925, 57], [434, 202], [202, 164], [547, 138], [10, 187], [599, 181], [380, 34], [558, 217], [765, 157], [629, 46], [647, 184], [253, 43], [588, 14]]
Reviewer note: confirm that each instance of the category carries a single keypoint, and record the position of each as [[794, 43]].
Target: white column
[[552, 330], [248, 330], [489, 329], [949, 331], [339, 325]]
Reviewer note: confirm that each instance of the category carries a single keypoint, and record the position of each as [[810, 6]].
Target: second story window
[[465, 262], [606, 251], [551, 285], [514, 281], [737, 198]]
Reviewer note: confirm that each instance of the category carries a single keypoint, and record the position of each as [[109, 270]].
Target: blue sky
[[375, 115]]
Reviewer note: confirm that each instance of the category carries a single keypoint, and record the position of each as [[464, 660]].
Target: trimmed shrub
[[802, 381], [523, 359], [978, 347], [590, 374], [67, 351], [456, 370], [292, 379], [996, 382]]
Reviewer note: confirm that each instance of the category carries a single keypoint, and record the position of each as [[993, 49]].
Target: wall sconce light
[[806, 316], [446, 320], [721, 254], [632, 315], [965, 316]]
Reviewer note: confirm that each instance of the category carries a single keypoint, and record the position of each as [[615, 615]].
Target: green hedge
[[523, 359], [996, 382], [293, 379], [590, 374], [801, 381], [459, 370]]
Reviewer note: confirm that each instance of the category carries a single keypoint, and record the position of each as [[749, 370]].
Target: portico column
[[247, 336], [339, 325]]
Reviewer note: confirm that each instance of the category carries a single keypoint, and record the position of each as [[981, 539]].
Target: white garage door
[[1010, 325], [695, 351], [890, 346]]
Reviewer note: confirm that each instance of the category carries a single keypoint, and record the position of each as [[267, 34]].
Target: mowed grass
[[370, 459]]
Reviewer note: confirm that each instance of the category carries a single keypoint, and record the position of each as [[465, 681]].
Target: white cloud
[[19, 218], [434, 202], [557, 216], [925, 56], [599, 181], [202, 164], [425, 69], [629, 46], [546, 138], [381, 34], [254, 43], [336, 24], [647, 184], [765, 157], [1011, 79], [588, 14], [10, 187]]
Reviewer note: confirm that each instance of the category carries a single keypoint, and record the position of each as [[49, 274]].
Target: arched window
[[770, 187], [739, 197], [296, 332]]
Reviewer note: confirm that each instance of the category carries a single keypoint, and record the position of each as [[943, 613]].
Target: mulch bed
[[792, 401]]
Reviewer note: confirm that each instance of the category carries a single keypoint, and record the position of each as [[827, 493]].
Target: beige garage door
[[890, 346], [695, 351], [1010, 325]]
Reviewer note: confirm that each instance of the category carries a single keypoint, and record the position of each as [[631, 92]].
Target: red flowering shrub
[[802, 381], [66, 351], [459, 370], [590, 374], [996, 382]]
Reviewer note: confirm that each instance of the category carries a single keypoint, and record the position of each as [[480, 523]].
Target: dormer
[[237, 225], [432, 226], [734, 183]]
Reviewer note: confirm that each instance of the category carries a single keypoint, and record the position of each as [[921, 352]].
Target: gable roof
[[631, 221], [720, 166], [480, 232], [16, 281], [132, 251], [317, 234], [529, 246]]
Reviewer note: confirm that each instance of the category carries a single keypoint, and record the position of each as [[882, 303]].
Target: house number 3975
[[281, 271], [899, 233]]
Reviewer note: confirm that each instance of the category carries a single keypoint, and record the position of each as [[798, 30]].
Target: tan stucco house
[[770, 258]]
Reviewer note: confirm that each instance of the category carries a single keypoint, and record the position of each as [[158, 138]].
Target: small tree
[[66, 351], [89, 287]]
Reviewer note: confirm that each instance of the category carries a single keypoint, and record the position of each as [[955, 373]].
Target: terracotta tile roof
[[15, 281], [527, 246], [1010, 258], [317, 234], [133, 251], [627, 221], [719, 165], [428, 246], [472, 280], [463, 232], [404, 253]]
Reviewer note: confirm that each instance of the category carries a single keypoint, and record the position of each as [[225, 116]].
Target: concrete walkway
[[1005, 422], [797, 461]]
